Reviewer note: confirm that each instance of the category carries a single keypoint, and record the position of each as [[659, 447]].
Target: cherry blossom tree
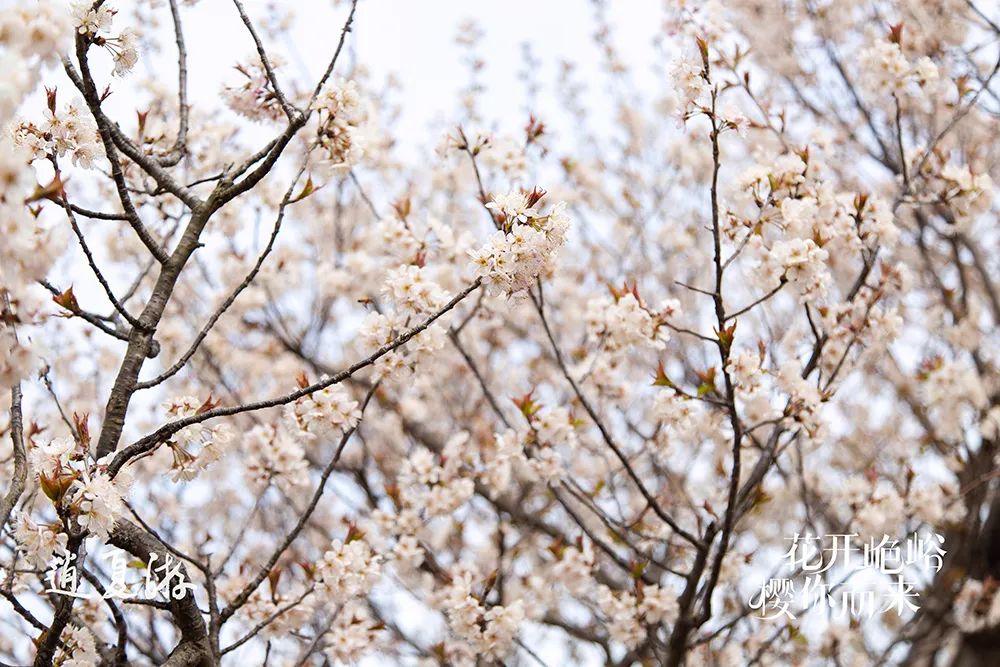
[[559, 395]]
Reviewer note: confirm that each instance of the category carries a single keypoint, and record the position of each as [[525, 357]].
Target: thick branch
[[20, 457], [194, 648]]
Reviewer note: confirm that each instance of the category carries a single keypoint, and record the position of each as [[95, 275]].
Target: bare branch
[[180, 363], [183, 111], [20, 475], [290, 111]]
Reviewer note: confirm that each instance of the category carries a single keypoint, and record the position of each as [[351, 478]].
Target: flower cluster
[[621, 616], [124, 51], [487, 630], [510, 461], [70, 131], [953, 391], [34, 30], [977, 606], [351, 635], [274, 455], [801, 262], [49, 459], [525, 245], [681, 420], [16, 360], [805, 399], [76, 485], [78, 648], [885, 68], [532, 455], [196, 446], [800, 222], [968, 194], [691, 87], [624, 321], [506, 154], [348, 570], [746, 369], [28, 37], [92, 21], [324, 413], [380, 329], [39, 541], [407, 553], [573, 567], [277, 610], [432, 489], [412, 292], [344, 124], [254, 97], [98, 501]]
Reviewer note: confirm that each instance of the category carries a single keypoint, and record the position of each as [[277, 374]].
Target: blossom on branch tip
[[524, 247]]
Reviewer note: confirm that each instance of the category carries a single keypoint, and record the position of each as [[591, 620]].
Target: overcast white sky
[[415, 40]]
